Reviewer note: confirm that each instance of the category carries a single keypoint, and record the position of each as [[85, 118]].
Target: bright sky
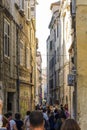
[[43, 17]]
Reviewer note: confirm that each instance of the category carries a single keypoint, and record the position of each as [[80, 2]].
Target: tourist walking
[[46, 119], [60, 119], [36, 120], [70, 124], [19, 122], [12, 123], [52, 120], [27, 120]]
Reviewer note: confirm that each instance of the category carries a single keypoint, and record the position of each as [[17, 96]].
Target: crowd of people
[[43, 118], [54, 116]]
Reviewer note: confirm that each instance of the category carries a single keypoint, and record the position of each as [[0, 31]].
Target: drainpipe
[[75, 54], [75, 84], [63, 58], [30, 64], [17, 62]]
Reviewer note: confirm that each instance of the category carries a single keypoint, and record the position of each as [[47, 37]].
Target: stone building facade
[[66, 41], [78, 65], [38, 96], [61, 30], [81, 62], [53, 55], [44, 85], [17, 55], [73, 55]]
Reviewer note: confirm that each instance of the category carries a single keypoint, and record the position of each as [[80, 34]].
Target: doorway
[[10, 101]]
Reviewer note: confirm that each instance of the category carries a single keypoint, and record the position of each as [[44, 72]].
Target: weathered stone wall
[[10, 69], [1, 46], [81, 42]]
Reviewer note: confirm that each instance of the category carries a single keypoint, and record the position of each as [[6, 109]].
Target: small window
[[32, 8], [50, 45], [22, 4], [27, 57], [54, 35], [28, 11], [57, 30], [58, 54], [6, 37], [21, 53]]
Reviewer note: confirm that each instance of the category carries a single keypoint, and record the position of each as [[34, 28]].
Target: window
[[58, 54], [21, 53], [6, 37], [22, 4], [32, 8], [28, 10], [28, 13], [57, 30], [27, 57], [54, 35], [17, 3], [55, 57], [50, 45], [51, 63], [51, 83]]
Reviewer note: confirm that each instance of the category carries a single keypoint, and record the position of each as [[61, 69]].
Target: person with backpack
[[36, 120], [46, 119], [19, 122], [12, 123], [51, 120], [61, 118]]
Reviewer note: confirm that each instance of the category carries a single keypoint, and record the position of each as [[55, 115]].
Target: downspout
[[17, 62], [63, 59]]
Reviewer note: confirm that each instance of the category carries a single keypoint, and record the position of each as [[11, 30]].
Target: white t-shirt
[[27, 122], [45, 116], [12, 123]]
